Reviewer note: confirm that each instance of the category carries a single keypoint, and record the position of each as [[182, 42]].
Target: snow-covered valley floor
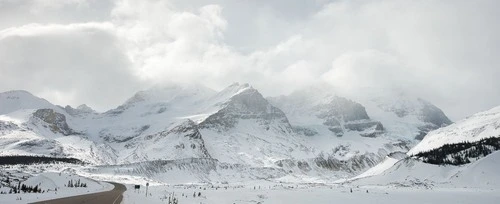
[[405, 182], [312, 194], [258, 191]]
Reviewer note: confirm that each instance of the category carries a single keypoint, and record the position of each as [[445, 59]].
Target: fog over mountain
[[99, 52]]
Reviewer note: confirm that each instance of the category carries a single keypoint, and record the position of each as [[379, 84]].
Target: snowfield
[[54, 185], [312, 194], [408, 181]]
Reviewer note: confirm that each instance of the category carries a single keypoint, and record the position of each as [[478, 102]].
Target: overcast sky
[[100, 52]]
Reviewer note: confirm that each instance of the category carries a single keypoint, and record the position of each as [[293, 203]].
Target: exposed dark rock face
[[55, 121], [352, 165], [398, 155], [342, 114], [188, 129], [433, 115], [342, 108], [304, 131], [7, 126], [184, 140], [249, 104], [423, 130]]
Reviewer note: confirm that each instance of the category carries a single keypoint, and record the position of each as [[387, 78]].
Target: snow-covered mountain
[[11, 101], [308, 132], [462, 142], [399, 114], [471, 129], [402, 114], [462, 154], [32, 126]]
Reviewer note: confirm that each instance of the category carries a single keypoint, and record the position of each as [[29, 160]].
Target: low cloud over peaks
[[102, 52]]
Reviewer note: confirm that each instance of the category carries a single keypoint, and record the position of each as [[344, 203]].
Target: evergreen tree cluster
[[460, 153], [76, 184], [30, 189], [28, 160], [23, 188]]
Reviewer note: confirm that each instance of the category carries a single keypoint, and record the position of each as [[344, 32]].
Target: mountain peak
[[237, 84], [17, 93], [80, 110], [232, 90], [84, 107], [11, 101], [166, 93], [238, 87]]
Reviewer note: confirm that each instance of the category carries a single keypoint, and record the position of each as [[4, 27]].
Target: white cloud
[[67, 64], [31, 30], [444, 51]]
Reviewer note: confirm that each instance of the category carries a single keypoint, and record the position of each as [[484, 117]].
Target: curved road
[[109, 197]]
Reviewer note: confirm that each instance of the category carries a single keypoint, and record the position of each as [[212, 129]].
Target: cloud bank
[[100, 52]]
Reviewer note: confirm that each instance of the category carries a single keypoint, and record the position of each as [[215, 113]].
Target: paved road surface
[[109, 197]]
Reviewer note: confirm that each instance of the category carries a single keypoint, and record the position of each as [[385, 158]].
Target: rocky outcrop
[[246, 105], [354, 164], [183, 140], [7, 127], [53, 120], [341, 108], [81, 110], [341, 115], [189, 130]]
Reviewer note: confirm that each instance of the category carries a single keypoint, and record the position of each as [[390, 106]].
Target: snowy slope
[[482, 173], [383, 166], [474, 128], [472, 163], [17, 100], [413, 173], [32, 126]]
